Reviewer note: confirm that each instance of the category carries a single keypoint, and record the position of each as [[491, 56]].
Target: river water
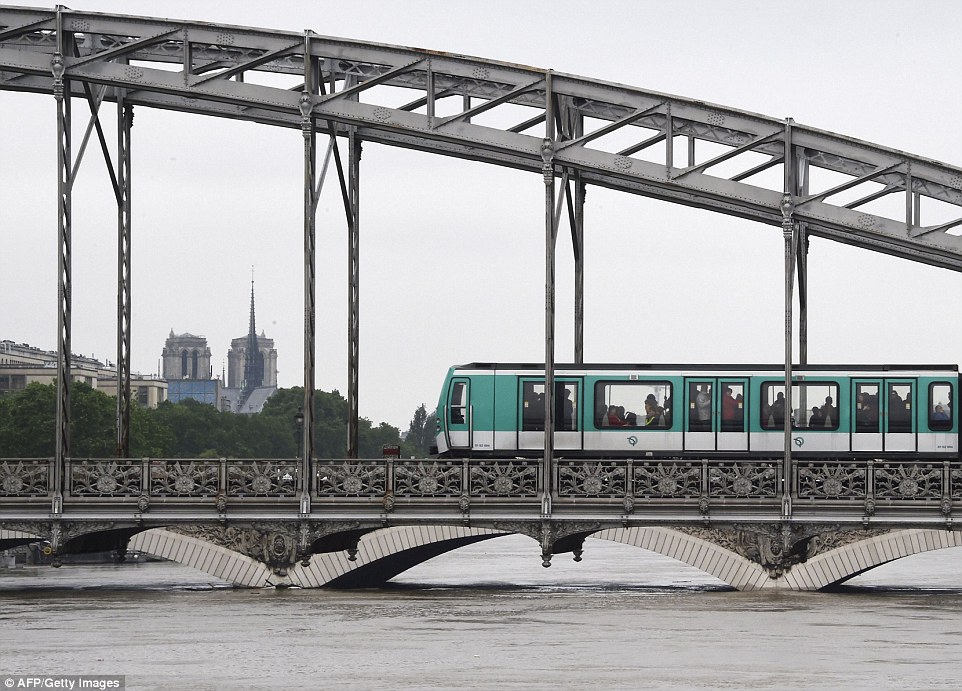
[[489, 616]]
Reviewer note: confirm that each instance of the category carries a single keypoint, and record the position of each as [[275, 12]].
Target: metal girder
[[354, 70], [125, 116], [353, 293]]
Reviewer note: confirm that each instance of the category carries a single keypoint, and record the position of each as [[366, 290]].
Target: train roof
[[702, 367]]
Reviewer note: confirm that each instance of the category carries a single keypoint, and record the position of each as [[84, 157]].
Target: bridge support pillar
[[310, 260], [125, 117], [61, 91], [789, 231], [353, 291], [547, 169]]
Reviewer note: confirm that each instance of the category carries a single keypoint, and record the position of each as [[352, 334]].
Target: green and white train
[[701, 411]]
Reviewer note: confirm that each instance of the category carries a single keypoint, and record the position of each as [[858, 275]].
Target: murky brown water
[[490, 617]]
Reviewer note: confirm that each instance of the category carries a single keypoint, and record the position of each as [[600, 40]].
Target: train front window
[[813, 406], [940, 406], [866, 408], [459, 402], [633, 404]]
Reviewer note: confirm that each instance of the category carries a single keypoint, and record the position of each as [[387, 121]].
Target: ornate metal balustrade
[[25, 477], [468, 482], [112, 478]]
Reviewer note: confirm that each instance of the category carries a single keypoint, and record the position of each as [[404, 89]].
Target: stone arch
[[733, 569], [212, 559], [381, 555], [845, 562], [385, 553], [820, 571], [10, 539]]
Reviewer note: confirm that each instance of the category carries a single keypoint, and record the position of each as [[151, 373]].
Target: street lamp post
[[299, 426], [305, 469]]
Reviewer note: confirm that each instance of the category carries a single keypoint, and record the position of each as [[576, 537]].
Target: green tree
[[188, 429], [421, 432], [28, 422]]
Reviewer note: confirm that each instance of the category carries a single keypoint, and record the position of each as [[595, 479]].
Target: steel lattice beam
[[213, 60]]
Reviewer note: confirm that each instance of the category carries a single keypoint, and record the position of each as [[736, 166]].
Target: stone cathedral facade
[[251, 370]]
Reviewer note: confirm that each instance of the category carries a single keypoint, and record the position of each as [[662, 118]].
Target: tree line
[[190, 429]]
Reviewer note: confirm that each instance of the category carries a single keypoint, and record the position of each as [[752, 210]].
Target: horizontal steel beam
[[136, 54]]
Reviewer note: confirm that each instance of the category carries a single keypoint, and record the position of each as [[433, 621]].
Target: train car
[[701, 411]]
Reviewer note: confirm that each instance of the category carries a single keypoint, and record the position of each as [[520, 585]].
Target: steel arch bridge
[[572, 130]]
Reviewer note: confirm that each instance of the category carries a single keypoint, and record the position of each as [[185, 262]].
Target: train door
[[900, 415], [715, 414], [459, 414], [567, 414], [867, 414]]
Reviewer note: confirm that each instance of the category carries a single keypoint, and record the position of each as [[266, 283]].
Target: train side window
[[699, 406], [565, 406], [813, 406], [772, 409], [940, 406], [532, 401], [459, 403], [633, 404], [866, 408], [732, 406], [900, 407]]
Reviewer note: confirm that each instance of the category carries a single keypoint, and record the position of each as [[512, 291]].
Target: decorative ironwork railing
[[886, 482]]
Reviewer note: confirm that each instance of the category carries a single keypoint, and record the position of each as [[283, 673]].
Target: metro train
[[701, 411]]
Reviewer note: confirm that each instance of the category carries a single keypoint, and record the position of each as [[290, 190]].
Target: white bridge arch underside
[[668, 147], [385, 553]]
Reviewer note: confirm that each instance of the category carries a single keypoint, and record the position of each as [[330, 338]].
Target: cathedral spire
[[252, 332], [253, 358]]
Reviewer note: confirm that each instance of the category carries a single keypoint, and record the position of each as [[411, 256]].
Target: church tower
[[251, 368]]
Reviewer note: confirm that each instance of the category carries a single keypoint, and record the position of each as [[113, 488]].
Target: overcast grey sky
[[452, 266]]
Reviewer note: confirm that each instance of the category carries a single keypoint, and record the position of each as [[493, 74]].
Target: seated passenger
[[939, 415], [817, 419], [602, 415], [613, 418]]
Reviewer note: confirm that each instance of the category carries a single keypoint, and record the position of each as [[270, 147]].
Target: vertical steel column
[[802, 264], [578, 235], [547, 169], [61, 92], [578, 242], [801, 249], [125, 117], [788, 234], [429, 94], [353, 291], [305, 105]]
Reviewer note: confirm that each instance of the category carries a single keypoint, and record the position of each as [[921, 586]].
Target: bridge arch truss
[[446, 104], [572, 130]]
